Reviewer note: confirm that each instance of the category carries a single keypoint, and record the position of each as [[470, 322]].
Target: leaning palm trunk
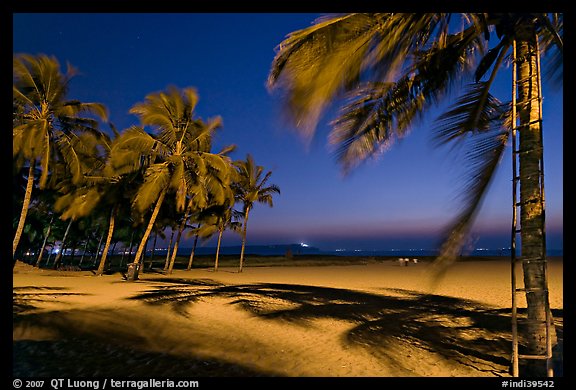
[[177, 243], [244, 238], [86, 247], [167, 262], [132, 246], [98, 249], [24, 212], [191, 259], [40, 255], [58, 258], [531, 198], [153, 250], [149, 229], [218, 249], [108, 241]]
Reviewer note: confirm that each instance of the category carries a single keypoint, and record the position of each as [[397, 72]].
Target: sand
[[374, 320]]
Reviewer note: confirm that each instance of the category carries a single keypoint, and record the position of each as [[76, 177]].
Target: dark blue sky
[[403, 200]]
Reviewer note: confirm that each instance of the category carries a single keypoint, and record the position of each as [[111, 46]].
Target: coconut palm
[[193, 251], [45, 123], [392, 68], [216, 219], [252, 187], [103, 186], [177, 152], [215, 184]]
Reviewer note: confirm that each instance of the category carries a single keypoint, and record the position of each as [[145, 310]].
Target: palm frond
[[178, 181], [315, 64], [489, 59], [378, 113], [79, 203], [126, 152], [72, 108], [39, 78], [484, 141], [67, 147], [552, 45], [156, 180]]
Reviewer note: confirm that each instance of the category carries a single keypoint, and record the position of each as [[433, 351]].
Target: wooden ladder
[[516, 229]]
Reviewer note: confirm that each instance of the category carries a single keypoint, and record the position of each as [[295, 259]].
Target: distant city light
[[304, 245]]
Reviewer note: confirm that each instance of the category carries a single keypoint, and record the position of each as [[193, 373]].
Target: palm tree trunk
[[108, 241], [50, 255], [244, 238], [86, 247], [98, 249], [167, 262], [153, 249], [218, 249], [130, 246], [176, 244], [44, 243], [149, 227], [112, 251], [531, 198], [123, 255], [24, 212], [142, 269], [58, 258], [192, 253]]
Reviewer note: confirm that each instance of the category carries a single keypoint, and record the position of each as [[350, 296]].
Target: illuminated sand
[[369, 320]]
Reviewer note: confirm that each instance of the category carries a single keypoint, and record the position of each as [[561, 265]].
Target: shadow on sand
[[459, 330], [96, 343], [387, 324]]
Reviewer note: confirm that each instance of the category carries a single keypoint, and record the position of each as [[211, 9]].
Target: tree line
[[94, 187]]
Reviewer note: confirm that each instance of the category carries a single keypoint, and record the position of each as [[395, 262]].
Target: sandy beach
[[374, 320]]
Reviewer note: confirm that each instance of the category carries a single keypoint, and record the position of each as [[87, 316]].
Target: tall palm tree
[[216, 219], [46, 123], [252, 187], [217, 190], [177, 152], [392, 68]]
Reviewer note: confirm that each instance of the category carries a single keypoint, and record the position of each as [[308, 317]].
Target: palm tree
[[216, 219], [392, 68], [193, 251], [215, 184], [177, 153], [251, 187], [46, 123]]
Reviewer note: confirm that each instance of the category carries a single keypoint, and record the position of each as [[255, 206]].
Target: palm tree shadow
[[26, 299], [462, 331], [101, 343]]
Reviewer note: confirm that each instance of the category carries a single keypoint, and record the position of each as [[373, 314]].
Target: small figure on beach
[[403, 262]]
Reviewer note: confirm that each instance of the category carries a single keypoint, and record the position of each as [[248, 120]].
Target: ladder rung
[[535, 357], [532, 75], [518, 230], [527, 320], [532, 289], [527, 101], [517, 178], [527, 124], [540, 259], [519, 261], [526, 151]]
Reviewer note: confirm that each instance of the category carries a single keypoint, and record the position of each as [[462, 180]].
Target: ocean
[[298, 249]]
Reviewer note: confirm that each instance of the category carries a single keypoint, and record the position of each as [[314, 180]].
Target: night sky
[[402, 200]]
